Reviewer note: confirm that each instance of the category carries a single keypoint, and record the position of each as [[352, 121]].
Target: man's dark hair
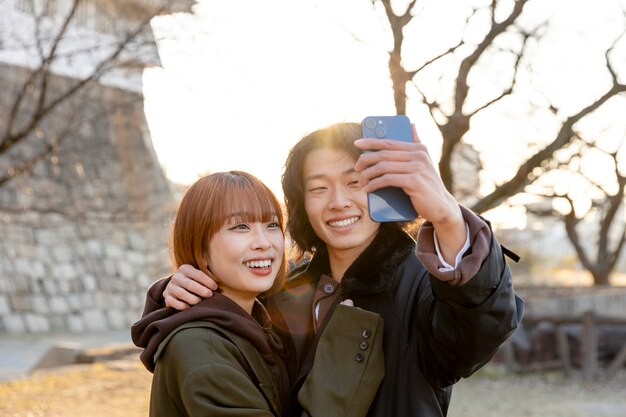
[[340, 136]]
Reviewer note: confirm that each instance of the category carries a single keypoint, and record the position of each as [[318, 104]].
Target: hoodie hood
[[154, 327]]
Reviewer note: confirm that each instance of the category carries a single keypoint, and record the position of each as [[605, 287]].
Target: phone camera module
[[380, 132], [370, 123]]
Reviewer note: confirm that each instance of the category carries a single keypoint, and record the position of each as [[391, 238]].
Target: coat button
[[363, 345], [359, 357], [366, 333], [329, 288]]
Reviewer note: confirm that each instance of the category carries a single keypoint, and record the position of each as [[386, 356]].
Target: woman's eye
[[274, 225], [316, 189], [240, 226]]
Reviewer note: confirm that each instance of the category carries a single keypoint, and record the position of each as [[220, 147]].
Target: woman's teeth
[[258, 264]]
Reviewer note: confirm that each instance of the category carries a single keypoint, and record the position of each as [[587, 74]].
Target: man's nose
[[340, 198]]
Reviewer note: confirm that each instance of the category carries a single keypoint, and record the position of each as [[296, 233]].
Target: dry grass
[[121, 389], [111, 389]]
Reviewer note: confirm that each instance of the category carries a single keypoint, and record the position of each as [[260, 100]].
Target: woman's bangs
[[250, 203]]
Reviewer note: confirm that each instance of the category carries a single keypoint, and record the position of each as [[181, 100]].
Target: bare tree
[[507, 35], [600, 256], [65, 65], [451, 111]]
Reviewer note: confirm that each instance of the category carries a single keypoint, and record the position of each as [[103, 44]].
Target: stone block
[[87, 300], [135, 301], [65, 287], [14, 324], [36, 323], [113, 251], [62, 253], [135, 258], [39, 304], [95, 321], [37, 269], [46, 237], [136, 241], [75, 324], [50, 286], [4, 305], [89, 282], [126, 270], [19, 303], [110, 269], [59, 305], [145, 281], [95, 248], [116, 318], [57, 323], [74, 302], [23, 266]]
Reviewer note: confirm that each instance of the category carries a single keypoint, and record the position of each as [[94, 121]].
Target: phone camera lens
[[380, 132], [370, 123]]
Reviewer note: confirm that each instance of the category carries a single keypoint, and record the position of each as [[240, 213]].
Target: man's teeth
[[258, 264], [344, 222]]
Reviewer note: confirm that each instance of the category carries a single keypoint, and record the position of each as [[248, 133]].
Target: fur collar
[[372, 272]]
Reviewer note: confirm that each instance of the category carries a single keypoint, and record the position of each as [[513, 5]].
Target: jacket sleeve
[[348, 367], [462, 323], [154, 296]]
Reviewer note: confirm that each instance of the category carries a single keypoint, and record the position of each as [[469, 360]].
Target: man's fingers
[[416, 138], [383, 144], [197, 275], [174, 303], [180, 284]]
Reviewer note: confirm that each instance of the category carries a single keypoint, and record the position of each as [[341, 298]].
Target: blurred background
[[110, 108]]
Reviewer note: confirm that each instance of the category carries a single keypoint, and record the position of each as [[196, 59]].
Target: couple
[[446, 303]]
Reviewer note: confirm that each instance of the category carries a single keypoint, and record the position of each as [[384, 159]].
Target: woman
[[221, 357]]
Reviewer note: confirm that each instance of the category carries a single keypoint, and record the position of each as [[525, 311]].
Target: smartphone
[[389, 204]]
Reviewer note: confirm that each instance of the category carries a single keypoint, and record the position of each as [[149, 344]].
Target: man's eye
[[354, 183], [316, 189]]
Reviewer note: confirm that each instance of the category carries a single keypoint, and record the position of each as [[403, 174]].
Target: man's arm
[[185, 288], [464, 314]]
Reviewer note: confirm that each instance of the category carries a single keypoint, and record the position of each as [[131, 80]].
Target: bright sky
[[245, 79], [254, 78]]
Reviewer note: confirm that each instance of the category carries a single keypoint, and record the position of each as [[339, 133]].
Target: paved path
[[19, 353]]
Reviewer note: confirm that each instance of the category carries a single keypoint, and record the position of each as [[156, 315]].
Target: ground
[[121, 389]]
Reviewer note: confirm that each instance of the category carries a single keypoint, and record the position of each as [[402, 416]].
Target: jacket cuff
[[480, 242]]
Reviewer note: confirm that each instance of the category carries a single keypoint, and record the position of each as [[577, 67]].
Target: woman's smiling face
[[246, 256]]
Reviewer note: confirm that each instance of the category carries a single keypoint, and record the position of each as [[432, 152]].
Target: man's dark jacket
[[435, 333]]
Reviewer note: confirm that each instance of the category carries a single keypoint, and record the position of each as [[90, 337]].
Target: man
[[447, 303]]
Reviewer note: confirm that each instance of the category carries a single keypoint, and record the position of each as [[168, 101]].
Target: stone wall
[[84, 233]]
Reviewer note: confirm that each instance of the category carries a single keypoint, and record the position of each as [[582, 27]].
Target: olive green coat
[[205, 370]]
